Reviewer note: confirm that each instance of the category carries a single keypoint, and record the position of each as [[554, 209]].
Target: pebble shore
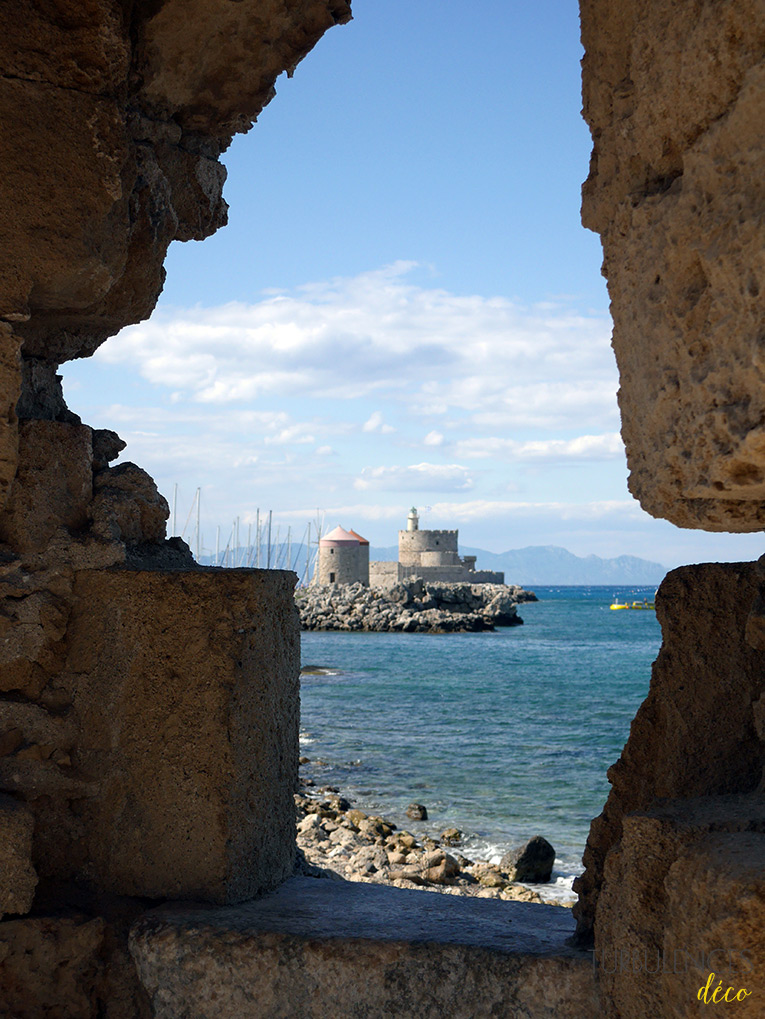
[[414, 606], [337, 840]]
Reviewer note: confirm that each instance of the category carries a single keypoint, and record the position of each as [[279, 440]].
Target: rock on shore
[[338, 841], [414, 606]]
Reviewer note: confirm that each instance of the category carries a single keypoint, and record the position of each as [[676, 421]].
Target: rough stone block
[[683, 897], [184, 685], [53, 485], [696, 732], [673, 94], [317, 948], [18, 879], [716, 903], [34, 608], [67, 967], [63, 206], [127, 506], [10, 390]]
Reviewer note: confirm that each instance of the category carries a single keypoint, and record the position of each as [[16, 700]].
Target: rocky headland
[[338, 841], [413, 606]]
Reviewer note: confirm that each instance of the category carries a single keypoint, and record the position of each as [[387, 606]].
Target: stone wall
[[411, 545], [693, 765], [673, 94], [148, 708], [383, 576]]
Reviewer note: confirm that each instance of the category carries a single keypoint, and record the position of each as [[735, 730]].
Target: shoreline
[[336, 839]]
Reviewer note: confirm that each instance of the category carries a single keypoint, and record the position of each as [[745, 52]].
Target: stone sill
[[319, 947]]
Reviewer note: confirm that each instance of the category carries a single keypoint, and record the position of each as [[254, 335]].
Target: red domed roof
[[339, 536], [362, 541]]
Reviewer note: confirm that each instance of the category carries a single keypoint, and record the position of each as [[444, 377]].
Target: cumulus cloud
[[376, 423], [434, 438], [584, 447], [379, 334], [424, 477], [280, 402]]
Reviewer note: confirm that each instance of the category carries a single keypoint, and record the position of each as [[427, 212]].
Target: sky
[[403, 310]]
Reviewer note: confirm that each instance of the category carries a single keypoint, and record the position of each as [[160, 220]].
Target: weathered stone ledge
[[315, 948]]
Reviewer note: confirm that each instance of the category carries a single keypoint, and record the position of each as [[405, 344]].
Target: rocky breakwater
[[414, 606], [339, 841]]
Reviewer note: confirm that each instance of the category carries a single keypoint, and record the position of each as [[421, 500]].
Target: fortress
[[431, 555]]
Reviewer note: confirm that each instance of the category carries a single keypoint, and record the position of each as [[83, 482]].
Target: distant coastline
[[551, 565]]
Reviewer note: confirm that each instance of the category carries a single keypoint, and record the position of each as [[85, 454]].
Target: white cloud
[[422, 477], [376, 423], [609, 512], [377, 335], [585, 447], [434, 439]]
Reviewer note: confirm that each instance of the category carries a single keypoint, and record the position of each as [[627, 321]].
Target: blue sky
[[404, 308]]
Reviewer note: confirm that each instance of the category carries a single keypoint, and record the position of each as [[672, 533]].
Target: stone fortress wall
[[432, 555], [428, 548]]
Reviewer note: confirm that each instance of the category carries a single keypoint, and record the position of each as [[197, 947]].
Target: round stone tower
[[341, 560], [412, 520], [363, 558]]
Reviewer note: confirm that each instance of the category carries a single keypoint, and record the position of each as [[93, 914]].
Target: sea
[[503, 735]]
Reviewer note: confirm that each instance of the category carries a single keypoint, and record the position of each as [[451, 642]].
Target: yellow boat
[[644, 604]]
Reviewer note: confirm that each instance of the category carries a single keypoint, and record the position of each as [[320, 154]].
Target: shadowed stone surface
[[696, 733], [319, 947], [68, 967], [17, 875], [683, 896], [118, 113], [183, 690]]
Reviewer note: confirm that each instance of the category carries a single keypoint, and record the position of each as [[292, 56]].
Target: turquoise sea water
[[504, 735]]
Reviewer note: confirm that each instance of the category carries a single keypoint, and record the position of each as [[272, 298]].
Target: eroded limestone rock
[[10, 390], [683, 897], [118, 115], [167, 763], [147, 719], [18, 879], [674, 95], [71, 965], [696, 734]]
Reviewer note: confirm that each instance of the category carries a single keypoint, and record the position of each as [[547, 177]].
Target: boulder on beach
[[417, 812], [532, 862], [451, 837]]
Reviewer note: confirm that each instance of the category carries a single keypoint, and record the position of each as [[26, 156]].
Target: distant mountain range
[[550, 564], [537, 564]]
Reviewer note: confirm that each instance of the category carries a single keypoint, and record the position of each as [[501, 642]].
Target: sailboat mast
[[199, 500]]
